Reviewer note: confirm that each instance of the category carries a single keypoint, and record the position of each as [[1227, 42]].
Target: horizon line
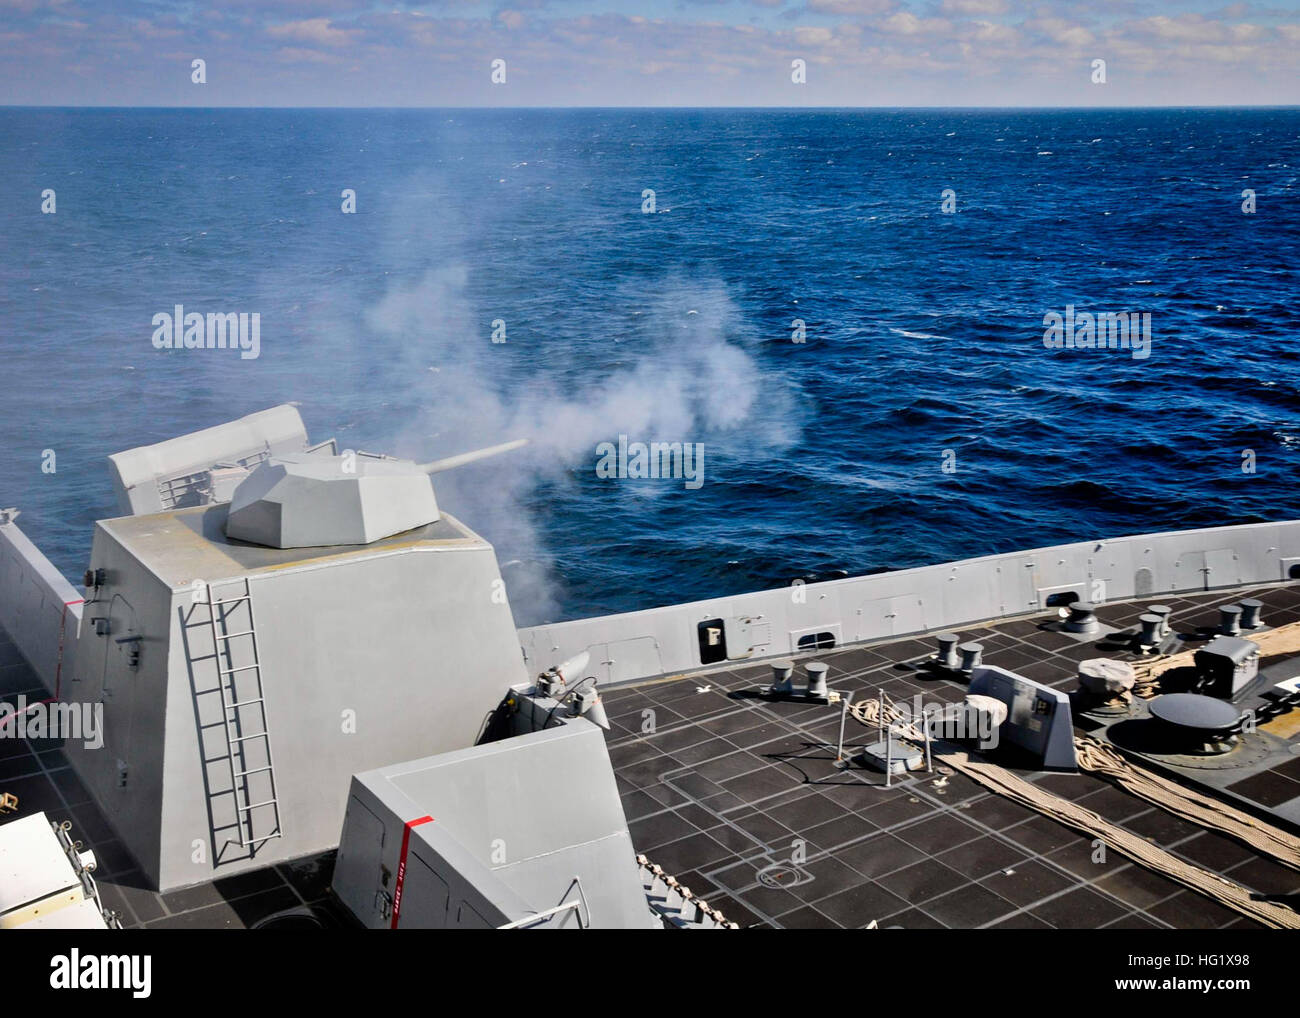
[[803, 108]]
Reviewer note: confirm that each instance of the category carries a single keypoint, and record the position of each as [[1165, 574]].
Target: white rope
[[1187, 803]]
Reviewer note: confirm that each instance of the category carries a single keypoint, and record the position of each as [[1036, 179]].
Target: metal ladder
[[245, 720]]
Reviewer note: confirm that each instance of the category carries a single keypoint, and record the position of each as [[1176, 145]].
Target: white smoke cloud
[[668, 360]]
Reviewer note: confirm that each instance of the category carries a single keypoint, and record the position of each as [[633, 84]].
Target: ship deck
[[742, 799], [727, 789]]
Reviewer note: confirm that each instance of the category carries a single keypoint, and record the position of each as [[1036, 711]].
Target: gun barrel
[[437, 466]]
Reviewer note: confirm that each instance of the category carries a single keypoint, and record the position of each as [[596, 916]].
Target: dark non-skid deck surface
[[726, 792], [731, 794]]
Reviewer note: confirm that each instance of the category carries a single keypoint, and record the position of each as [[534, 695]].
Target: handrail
[[554, 910], [545, 914]]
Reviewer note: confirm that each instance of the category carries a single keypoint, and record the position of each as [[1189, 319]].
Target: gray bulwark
[[500, 833]]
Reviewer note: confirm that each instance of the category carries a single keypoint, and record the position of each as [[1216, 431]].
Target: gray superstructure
[[242, 686]]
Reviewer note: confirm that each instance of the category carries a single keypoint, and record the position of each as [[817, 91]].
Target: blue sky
[[648, 53]]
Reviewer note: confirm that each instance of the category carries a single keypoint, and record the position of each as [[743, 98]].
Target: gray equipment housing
[[528, 831], [1038, 717], [1229, 663]]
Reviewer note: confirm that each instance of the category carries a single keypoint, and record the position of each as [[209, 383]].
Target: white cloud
[[317, 30], [813, 36], [851, 8], [940, 52], [1063, 32], [906, 23], [975, 8]]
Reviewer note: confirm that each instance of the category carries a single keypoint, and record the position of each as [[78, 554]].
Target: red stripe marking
[[58, 669], [401, 866]]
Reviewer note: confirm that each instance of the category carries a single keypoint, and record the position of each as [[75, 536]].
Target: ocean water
[[923, 345]]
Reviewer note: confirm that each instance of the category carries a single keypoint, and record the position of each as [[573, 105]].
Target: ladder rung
[[230, 600], [255, 735], [231, 636], [256, 805], [231, 671], [258, 841], [253, 770], [243, 703]]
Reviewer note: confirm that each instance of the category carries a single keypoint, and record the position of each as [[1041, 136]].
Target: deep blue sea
[[923, 330]]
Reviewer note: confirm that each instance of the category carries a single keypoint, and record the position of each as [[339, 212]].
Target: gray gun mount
[[311, 501]]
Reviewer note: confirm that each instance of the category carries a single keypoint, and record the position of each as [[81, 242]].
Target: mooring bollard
[[971, 655]]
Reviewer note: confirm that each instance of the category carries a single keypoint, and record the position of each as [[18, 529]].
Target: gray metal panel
[[367, 886], [192, 543], [358, 867]]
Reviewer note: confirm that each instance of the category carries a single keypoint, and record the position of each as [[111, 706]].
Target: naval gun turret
[[300, 500], [251, 657]]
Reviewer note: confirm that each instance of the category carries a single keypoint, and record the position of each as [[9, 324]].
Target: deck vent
[[817, 641]]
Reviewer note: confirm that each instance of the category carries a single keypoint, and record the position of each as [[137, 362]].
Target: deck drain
[[783, 875]]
